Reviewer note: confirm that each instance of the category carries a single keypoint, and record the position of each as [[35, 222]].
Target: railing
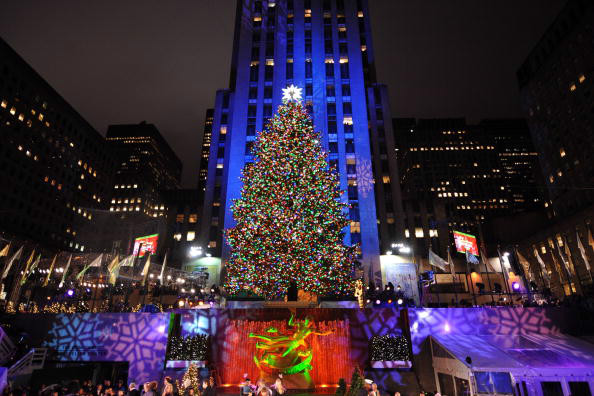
[[7, 348], [33, 360]]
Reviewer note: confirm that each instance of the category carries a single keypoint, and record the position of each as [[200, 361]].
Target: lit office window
[[191, 235]]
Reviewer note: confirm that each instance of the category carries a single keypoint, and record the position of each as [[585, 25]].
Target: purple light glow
[[70, 293], [516, 286]]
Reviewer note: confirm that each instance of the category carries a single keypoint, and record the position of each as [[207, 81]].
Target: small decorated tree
[[356, 383], [191, 379]]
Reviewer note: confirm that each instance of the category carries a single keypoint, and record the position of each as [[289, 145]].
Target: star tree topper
[[291, 93]]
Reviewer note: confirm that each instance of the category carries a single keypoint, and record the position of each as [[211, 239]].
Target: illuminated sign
[[146, 244], [465, 242]]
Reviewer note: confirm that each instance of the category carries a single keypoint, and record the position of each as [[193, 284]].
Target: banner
[[65, 271], [437, 261], [51, 269], [27, 266], [145, 270], [543, 267], [128, 261], [15, 256], [94, 263], [163, 269], [525, 265], [582, 250], [113, 268], [465, 243], [4, 251]]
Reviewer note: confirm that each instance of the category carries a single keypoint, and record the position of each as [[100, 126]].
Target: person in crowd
[[147, 390], [246, 389], [373, 391], [259, 386], [167, 387], [279, 389], [99, 391], [133, 390], [364, 391], [206, 389], [396, 393]]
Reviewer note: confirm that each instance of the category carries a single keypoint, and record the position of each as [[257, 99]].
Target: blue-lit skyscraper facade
[[323, 47]]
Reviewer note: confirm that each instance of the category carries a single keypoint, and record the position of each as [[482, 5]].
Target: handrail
[[34, 359]]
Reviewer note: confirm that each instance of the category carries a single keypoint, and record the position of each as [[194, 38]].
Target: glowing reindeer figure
[[286, 354]]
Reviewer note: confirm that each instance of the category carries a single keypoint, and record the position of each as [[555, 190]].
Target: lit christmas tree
[[289, 217]]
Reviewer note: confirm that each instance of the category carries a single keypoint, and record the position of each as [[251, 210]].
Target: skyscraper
[[55, 168], [146, 167], [325, 48], [456, 175]]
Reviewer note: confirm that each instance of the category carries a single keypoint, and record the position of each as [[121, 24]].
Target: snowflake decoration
[[76, 337], [291, 93], [140, 340], [364, 177]]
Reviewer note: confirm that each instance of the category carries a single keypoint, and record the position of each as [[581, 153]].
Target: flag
[[113, 268], [525, 265], [15, 256], [582, 250], [145, 270], [434, 260], [557, 265], [590, 239], [502, 261], [27, 266], [4, 251], [65, 271], [30, 269], [565, 263], [165, 263], [452, 268], [471, 258], [128, 261], [569, 257], [51, 268], [485, 259], [543, 267], [94, 263]]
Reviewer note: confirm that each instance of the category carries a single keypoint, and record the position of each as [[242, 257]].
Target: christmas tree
[[190, 379], [289, 219]]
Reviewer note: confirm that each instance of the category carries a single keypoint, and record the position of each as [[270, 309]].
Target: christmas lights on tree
[[289, 219]]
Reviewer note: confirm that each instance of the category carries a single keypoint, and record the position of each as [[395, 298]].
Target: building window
[[179, 218], [190, 236], [177, 236], [193, 218], [562, 152], [419, 232]]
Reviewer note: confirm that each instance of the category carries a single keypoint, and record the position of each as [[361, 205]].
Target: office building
[[556, 82], [146, 167], [55, 168], [325, 48], [456, 176]]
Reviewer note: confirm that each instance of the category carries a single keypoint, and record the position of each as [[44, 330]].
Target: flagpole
[[572, 263], [504, 272], [588, 232], [469, 278], [453, 273], [542, 278], [485, 258], [524, 276]]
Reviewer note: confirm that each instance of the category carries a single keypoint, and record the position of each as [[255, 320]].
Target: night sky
[[162, 61]]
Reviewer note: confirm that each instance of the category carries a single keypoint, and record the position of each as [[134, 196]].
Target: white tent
[[523, 365]]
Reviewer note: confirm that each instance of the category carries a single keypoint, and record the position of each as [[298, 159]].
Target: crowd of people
[[168, 387]]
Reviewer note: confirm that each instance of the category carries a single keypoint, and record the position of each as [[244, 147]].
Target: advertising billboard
[[465, 242], [146, 244]]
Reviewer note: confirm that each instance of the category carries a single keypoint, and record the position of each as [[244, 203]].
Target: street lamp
[[195, 251]]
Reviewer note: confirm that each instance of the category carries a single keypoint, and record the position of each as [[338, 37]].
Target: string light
[[389, 348], [188, 348]]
